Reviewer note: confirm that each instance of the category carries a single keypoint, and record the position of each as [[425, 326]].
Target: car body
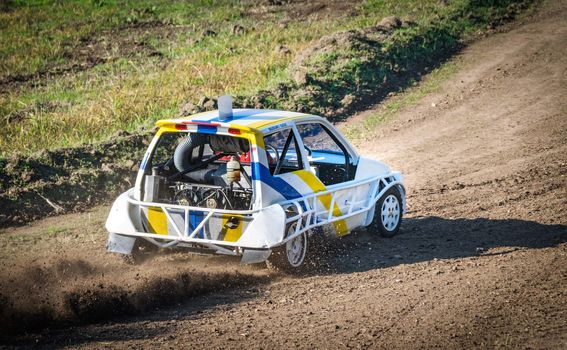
[[248, 182]]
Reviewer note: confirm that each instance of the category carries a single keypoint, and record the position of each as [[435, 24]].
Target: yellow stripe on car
[[157, 220], [232, 234], [317, 186]]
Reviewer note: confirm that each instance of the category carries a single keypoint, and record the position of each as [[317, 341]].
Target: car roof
[[265, 121], [249, 118]]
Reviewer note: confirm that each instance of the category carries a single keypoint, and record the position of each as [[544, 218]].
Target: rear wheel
[[291, 256], [388, 213]]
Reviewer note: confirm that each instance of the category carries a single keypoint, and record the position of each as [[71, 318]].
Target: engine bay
[[200, 170]]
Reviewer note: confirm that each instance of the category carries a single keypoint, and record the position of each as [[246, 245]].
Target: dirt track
[[481, 260]]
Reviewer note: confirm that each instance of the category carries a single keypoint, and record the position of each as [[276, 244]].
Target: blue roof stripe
[[207, 129], [246, 114]]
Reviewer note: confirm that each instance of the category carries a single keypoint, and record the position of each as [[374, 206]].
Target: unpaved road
[[481, 260]]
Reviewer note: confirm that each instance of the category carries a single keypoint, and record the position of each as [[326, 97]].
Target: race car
[[258, 184]]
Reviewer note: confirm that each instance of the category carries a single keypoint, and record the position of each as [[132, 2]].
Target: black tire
[[141, 252], [292, 256], [388, 214]]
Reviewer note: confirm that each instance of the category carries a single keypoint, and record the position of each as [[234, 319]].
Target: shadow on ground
[[428, 238]]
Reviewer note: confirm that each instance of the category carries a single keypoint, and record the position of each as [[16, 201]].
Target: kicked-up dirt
[[481, 260]]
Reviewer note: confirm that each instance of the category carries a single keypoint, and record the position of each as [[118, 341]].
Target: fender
[[124, 218]]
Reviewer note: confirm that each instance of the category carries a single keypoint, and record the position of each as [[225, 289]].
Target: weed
[[54, 230]]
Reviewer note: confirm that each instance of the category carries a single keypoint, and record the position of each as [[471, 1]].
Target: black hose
[[182, 158]]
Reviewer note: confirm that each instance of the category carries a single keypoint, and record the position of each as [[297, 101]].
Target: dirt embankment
[[72, 179], [480, 262], [348, 70]]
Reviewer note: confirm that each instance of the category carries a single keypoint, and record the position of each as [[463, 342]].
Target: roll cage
[[305, 156]]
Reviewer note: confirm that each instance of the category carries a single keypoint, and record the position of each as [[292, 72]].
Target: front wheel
[[388, 213], [290, 257]]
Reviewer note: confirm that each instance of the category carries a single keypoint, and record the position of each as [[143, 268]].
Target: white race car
[[252, 183]]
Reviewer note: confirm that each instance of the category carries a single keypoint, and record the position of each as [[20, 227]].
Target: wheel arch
[[401, 189]]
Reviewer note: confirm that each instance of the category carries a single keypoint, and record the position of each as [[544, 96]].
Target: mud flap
[[123, 217], [266, 230], [252, 256], [120, 244], [369, 216]]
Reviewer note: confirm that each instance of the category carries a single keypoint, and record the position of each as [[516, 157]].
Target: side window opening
[[328, 158], [282, 152], [164, 149]]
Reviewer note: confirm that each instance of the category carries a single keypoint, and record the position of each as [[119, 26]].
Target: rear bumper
[[227, 231]]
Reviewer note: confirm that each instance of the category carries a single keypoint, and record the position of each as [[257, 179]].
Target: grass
[[54, 230], [130, 88], [365, 129]]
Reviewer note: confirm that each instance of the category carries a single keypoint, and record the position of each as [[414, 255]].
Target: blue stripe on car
[[207, 129], [262, 173], [195, 218], [145, 161]]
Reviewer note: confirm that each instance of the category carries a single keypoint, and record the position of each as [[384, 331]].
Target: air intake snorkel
[[225, 108]]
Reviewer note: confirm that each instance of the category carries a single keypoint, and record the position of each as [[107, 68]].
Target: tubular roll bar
[[306, 217]]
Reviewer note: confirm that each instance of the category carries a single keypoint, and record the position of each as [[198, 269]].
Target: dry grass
[[130, 91]]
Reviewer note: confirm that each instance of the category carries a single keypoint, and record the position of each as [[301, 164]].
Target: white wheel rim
[[296, 248], [390, 213]]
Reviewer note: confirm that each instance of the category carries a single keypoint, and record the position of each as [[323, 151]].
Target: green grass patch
[[54, 230], [97, 67]]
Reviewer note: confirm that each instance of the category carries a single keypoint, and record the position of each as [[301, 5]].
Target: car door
[[333, 163], [329, 158]]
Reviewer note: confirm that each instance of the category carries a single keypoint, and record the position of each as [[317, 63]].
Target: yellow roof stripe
[[269, 122]]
